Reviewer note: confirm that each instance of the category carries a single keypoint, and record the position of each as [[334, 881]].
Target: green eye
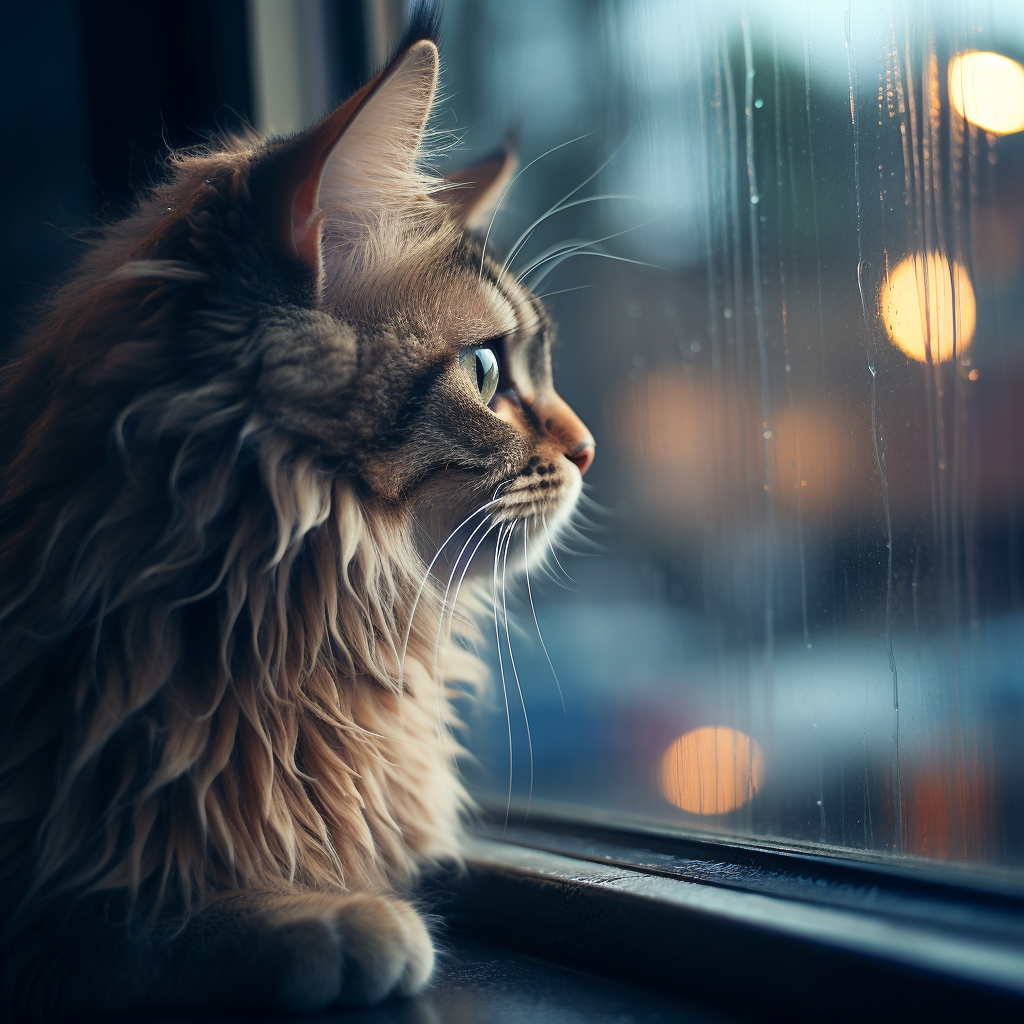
[[481, 365]]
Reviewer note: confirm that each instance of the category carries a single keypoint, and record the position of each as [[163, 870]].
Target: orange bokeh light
[[928, 308], [988, 90], [711, 770]]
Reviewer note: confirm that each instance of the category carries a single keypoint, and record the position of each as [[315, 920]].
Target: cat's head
[[380, 333]]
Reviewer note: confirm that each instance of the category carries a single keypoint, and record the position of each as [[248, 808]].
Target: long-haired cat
[[228, 452]]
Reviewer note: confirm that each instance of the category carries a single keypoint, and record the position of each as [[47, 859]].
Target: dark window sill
[[754, 930]]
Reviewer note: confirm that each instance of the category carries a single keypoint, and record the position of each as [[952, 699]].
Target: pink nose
[[583, 456]]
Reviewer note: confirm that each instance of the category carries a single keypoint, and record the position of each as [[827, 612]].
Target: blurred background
[[789, 285]]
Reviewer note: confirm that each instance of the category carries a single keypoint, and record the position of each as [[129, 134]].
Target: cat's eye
[[481, 366]]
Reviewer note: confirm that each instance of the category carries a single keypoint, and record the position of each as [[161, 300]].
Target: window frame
[[740, 926]]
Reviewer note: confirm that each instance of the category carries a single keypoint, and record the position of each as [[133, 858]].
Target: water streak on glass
[[804, 622]]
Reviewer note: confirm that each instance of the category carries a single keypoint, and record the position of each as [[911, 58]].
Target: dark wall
[[93, 94], [156, 73], [45, 176]]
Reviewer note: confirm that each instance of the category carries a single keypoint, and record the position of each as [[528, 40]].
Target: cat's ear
[[360, 160], [475, 191]]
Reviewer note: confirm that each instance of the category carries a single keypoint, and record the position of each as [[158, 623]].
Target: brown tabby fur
[[220, 453]]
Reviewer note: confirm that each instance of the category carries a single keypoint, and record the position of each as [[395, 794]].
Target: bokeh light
[[988, 90], [926, 305], [681, 443], [711, 770], [943, 790], [809, 470]]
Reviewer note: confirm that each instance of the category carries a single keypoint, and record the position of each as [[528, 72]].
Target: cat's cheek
[[506, 407], [386, 477], [527, 439]]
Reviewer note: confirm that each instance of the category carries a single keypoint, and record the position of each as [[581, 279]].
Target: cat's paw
[[386, 947], [349, 950]]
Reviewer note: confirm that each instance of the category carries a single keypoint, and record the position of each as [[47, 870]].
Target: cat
[[229, 451]]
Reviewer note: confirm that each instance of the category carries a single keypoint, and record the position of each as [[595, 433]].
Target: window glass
[[793, 323]]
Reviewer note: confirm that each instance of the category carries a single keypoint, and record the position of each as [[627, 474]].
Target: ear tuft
[[424, 24], [474, 192]]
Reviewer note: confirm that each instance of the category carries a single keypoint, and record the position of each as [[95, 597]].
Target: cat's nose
[[583, 456], [562, 423]]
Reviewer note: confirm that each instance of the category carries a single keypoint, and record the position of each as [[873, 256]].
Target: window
[[792, 323]]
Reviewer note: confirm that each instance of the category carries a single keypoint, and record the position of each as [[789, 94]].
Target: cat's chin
[[526, 531], [510, 526]]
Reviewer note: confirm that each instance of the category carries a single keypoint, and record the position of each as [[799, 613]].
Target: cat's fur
[[226, 453]]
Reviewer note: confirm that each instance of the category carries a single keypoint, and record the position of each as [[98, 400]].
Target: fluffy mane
[[177, 614]]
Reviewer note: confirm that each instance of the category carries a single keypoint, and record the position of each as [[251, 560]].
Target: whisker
[[465, 571], [546, 569], [447, 590], [562, 291], [604, 255], [596, 506], [419, 593], [558, 207], [533, 608], [590, 546], [504, 689], [483, 251], [566, 550], [512, 659], [458, 590], [573, 245], [551, 546], [581, 521], [591, 549], [525, 236], [439, 669], [559, 258], [571, 532], [559, 247]]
